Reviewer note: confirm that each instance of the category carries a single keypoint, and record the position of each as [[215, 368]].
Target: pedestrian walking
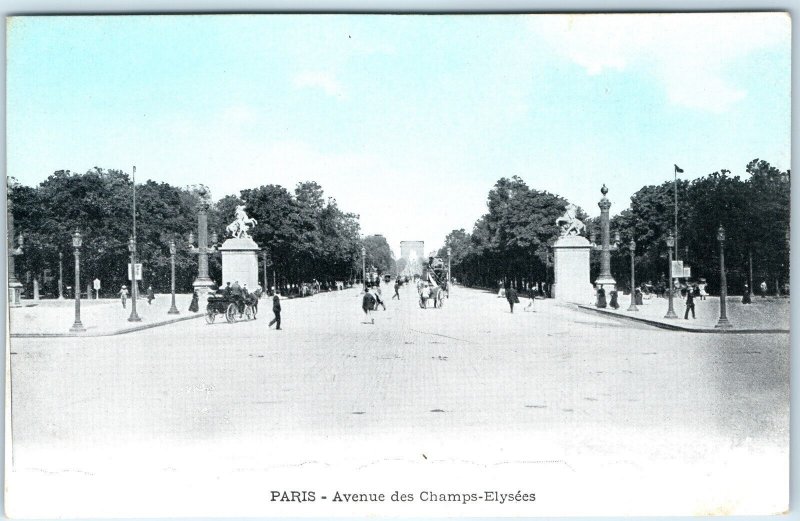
[[378, 299], [396, 289], [276, 310], [150, 295], [194, 306], [703, 289], [424, 295], [614, 304], [746, 295], [601, 298], [689, 304], [532, 297], [123, 296], [763, 289], [368, 304], [511, 297]]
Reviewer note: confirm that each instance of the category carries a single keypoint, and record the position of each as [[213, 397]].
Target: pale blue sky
[[406, 120]]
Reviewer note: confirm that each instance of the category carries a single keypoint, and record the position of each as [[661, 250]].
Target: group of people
[[692, 291], [512, 297], [372, 299], [613, 298], [123, 295]]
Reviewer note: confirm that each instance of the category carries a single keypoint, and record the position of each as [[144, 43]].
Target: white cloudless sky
[[405, 120]]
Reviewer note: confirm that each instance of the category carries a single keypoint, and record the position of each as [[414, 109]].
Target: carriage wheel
[[230, 313], [210, 316]]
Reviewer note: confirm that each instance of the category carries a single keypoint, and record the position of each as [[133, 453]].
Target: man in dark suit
[[511, 297], [689, 304], [276, 309], [368, 303], [237, 295]]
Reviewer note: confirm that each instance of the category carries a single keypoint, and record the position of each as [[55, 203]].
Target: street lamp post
[[77, 241], [60, 276], [132, 249], [632, 307], [449, 276], [173, 310], [264, 254], [364, 267], [670, 245], [723, 322]]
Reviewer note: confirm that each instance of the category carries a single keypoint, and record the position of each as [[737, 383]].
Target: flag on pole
[[678, 170]]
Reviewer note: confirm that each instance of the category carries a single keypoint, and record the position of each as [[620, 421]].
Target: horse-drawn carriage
[[432, 287], [232, 307], [431, 295]]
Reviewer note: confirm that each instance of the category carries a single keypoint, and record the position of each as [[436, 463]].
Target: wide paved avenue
[[562, 386]]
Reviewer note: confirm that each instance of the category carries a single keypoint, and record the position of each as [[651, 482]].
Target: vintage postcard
[[398, 265]]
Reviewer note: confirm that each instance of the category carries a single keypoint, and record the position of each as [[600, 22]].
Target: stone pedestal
[[607, 283], [14, 294], [240, 262], [571, 266]]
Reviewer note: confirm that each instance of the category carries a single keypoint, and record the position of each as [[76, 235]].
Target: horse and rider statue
[[569, 222], [239, 228]]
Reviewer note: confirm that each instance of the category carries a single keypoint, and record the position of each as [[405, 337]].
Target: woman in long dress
[[194, 306]]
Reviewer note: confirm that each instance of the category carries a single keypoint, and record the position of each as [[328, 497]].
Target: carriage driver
[[237, 294]]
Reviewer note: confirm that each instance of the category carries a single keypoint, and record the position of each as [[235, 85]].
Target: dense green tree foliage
[[513, 240], [379, 255], [510, 243], [305, 236]]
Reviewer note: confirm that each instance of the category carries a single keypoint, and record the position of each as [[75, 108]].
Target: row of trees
[[305, 235], [754, 212], [513, 241]]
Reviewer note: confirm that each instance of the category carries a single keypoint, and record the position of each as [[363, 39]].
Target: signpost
[[677, 269], [138, 271]]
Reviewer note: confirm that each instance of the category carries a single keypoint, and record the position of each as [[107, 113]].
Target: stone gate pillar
[[571, 268], [240, 262]]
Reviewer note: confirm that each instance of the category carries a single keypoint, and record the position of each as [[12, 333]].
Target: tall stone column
[[203, 282], [605, 280]]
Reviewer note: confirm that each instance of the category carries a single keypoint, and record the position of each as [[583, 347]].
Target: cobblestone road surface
[[598, 398]]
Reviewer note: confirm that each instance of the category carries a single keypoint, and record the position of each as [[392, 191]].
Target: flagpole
[[676, 212], [134, 282], [134, 205]]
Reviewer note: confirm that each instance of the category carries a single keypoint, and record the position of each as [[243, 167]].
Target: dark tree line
[[513, 241], [754, 212], [305, 235]]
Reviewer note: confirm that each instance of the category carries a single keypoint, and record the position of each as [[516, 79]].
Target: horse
[[251, 299], [238, 228], [569, 222]]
